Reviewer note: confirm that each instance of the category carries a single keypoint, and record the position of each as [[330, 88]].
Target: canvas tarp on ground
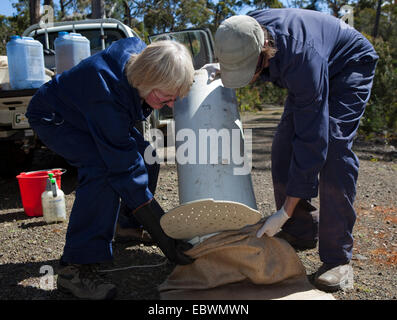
[[236, 265]]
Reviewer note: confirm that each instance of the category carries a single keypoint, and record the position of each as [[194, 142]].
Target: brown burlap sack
[[237, 265], [234, 256]]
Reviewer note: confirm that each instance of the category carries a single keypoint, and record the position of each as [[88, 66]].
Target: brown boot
[[333, 278], [132, 234], [85, 282]]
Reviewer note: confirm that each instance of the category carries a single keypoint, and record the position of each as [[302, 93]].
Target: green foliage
[[139, 28], [255, 96], [3, 34], [271, 94], [222, 10], [14, 25], [194, 12], [380, 116], [262, 4], [248, 98]]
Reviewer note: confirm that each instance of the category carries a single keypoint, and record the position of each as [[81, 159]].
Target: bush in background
[[380, 116], [256, 96]]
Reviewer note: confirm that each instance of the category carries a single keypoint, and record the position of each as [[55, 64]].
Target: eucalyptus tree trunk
[[34, 11], [376, 26], [98, 9]]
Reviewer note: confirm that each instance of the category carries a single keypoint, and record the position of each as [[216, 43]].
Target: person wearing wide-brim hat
[[87, 115], [328, 69]]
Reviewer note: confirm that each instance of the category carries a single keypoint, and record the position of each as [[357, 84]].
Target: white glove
[[213, 70], [273, 223]]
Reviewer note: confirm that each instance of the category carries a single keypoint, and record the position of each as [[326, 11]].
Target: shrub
[[248, 98], [255, 96], [380, 116]]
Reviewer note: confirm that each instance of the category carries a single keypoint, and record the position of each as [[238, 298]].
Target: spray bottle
[[53, 202]]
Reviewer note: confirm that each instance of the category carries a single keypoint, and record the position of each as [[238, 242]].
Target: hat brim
[[241, 76]]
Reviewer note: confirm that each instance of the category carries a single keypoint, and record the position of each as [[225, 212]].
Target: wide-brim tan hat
[[203, 217], [238, 44]]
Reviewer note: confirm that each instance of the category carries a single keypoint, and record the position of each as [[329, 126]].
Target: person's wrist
[[284, 215], [290, 204], [141, 206]]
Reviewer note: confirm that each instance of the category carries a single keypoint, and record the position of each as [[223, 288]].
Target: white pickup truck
[[17, 140]]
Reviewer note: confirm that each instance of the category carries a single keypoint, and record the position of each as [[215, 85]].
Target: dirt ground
[[30, 248]]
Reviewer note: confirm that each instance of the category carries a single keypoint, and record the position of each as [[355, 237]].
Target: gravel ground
[[30, 248]]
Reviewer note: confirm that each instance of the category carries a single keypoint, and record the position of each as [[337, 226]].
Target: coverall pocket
[[52, 119]]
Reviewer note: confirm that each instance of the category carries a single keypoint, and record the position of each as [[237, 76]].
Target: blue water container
[[25, 63], [70, 49]]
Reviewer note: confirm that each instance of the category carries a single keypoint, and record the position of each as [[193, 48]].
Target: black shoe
[[297, 244], [85, 282]]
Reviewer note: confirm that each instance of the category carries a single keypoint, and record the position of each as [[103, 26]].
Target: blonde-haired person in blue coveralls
[[87, 115]]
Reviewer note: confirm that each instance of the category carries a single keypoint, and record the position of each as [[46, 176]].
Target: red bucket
[[31, 185]]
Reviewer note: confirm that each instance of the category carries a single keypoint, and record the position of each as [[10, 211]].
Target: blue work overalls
[[328, 69], [87, 115]]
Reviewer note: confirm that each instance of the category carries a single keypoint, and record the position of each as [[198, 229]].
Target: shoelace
[[135, 266], [91, 273]]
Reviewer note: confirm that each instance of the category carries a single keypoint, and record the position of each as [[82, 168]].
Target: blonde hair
[[165, 65]]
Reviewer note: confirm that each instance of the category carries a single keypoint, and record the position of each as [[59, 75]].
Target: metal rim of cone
[[202, 217]]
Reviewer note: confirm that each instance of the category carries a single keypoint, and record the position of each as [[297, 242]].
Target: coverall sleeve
[[109, 125], [306, 78]]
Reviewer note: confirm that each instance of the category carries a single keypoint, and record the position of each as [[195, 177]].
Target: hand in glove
[[149, 216], [273, 224], [213, 70]]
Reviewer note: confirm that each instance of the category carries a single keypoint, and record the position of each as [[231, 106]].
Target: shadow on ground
[[144, 271]]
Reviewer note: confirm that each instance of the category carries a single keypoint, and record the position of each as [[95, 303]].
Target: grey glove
[[273, 224]]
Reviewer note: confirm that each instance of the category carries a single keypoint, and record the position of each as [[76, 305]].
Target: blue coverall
[[87, 115], [328, 69]]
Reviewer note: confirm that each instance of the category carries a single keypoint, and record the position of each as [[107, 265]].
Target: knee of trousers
[[94, 211]]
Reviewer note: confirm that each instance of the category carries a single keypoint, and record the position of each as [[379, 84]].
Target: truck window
[[196, 41], [93, 35]]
